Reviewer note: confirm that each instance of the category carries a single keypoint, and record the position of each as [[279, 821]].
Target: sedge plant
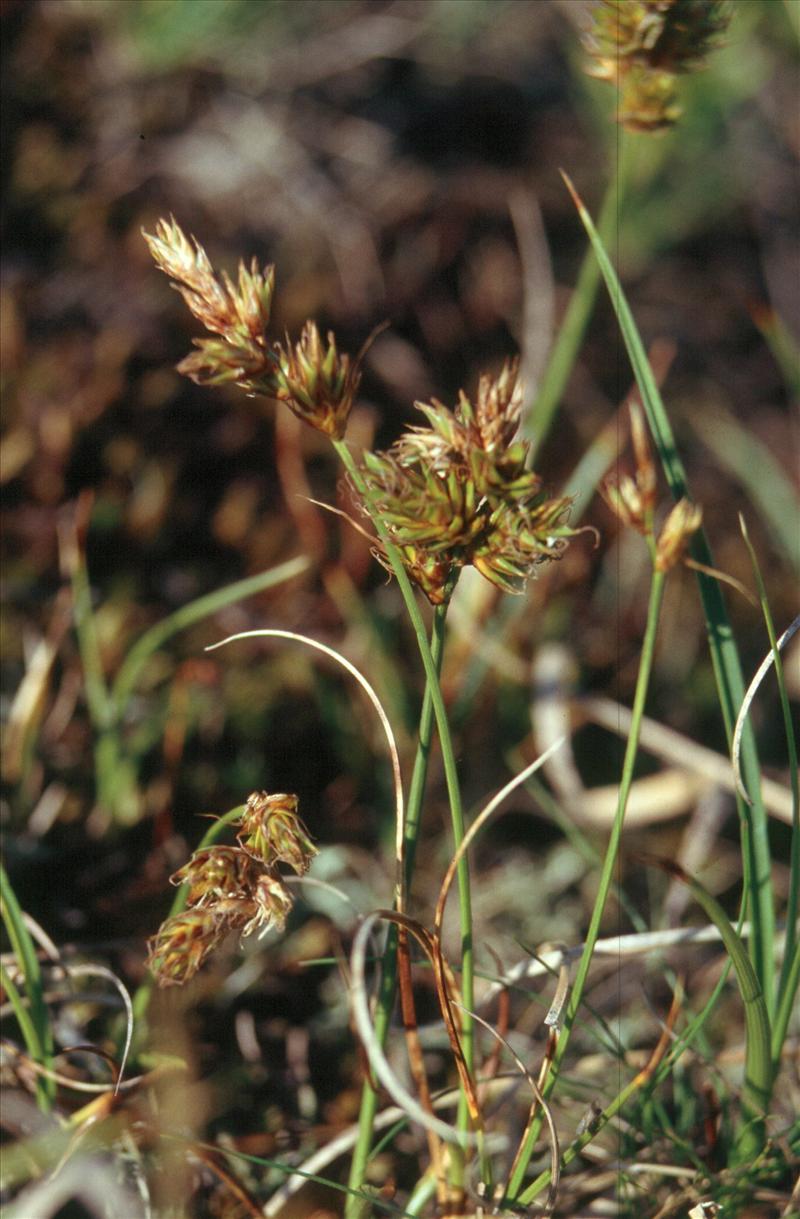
[[458, 489], [454, 492]]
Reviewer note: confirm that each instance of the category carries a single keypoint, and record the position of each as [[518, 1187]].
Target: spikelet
[[459, 492], [237, 313], [233, 888]]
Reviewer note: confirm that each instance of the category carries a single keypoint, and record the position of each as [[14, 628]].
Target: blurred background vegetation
[[396, 160]]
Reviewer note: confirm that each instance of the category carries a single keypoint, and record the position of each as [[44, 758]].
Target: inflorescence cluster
[[642, 46], [459, 492], [455, 492], [233, 888]]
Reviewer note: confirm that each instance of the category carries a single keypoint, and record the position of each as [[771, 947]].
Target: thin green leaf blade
[[758, 1071], [36, 1029]]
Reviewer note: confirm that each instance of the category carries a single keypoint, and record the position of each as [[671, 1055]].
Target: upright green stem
[[419, 775], [609, 863], [388, 982], [433, 690]]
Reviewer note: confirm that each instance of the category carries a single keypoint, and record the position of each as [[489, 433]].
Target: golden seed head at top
[[315, 380], [642, 46], [498, 407], [241, 310]]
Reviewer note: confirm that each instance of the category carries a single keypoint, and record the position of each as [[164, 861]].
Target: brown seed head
[[219, 362], [497, 412], [272, 832], [488, 426], [518, 541], [643, 453], [182, 944], [459, 492], [273, 903], [213, 873], [633, 500], [642, 46], [233, 888], [237, 313], [624, 499]]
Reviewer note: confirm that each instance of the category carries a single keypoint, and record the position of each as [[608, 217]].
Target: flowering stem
[[432, 691], [417, 788], [606, 877], [386, 993]]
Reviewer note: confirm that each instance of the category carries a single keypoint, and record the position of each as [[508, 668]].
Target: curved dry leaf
[[752, 689], [371, 695]]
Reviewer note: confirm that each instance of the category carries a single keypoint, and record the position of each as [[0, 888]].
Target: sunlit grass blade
[[604, 1116], [724, 653], [606, 874], [35, 1020]]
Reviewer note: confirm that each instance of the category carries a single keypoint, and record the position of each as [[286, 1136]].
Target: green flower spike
[[317, 384]]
